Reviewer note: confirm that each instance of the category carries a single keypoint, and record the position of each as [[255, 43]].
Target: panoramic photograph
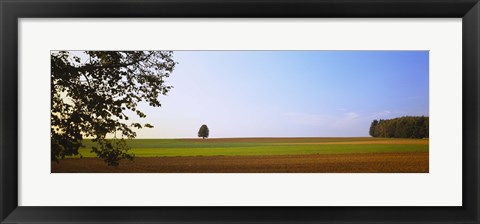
[[239, 111]]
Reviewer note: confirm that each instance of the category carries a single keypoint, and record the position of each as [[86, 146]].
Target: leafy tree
[[92, 90], [203, 132], [372, 128], [402, 127]]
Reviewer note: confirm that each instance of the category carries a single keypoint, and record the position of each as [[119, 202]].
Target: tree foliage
[[91, 92], [203, 132], [403, 127]]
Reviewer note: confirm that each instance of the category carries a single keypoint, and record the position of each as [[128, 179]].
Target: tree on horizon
[[203, 132]]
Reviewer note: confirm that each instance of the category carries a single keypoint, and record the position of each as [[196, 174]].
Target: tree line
[[402, 127]]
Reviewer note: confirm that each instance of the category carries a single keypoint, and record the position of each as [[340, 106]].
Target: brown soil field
[[329, 163]]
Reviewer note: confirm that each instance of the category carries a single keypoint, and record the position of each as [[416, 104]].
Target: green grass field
[[265, 146]]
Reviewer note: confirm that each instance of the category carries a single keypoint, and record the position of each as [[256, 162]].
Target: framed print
[[233, 141], [248, 112]]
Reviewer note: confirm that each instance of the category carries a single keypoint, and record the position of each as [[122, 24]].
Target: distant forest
[[402, 127]]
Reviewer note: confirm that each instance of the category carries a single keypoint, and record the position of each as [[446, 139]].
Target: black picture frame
[[11, 11]]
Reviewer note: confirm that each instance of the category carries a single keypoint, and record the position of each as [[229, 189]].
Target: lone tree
[[203, 132], [92, 90]]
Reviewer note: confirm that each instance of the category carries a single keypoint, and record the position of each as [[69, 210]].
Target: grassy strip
[[250, 149]]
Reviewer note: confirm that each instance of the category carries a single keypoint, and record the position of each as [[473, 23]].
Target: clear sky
[[288, 93]]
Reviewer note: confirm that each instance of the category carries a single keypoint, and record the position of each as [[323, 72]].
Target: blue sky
[[288, 93]]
